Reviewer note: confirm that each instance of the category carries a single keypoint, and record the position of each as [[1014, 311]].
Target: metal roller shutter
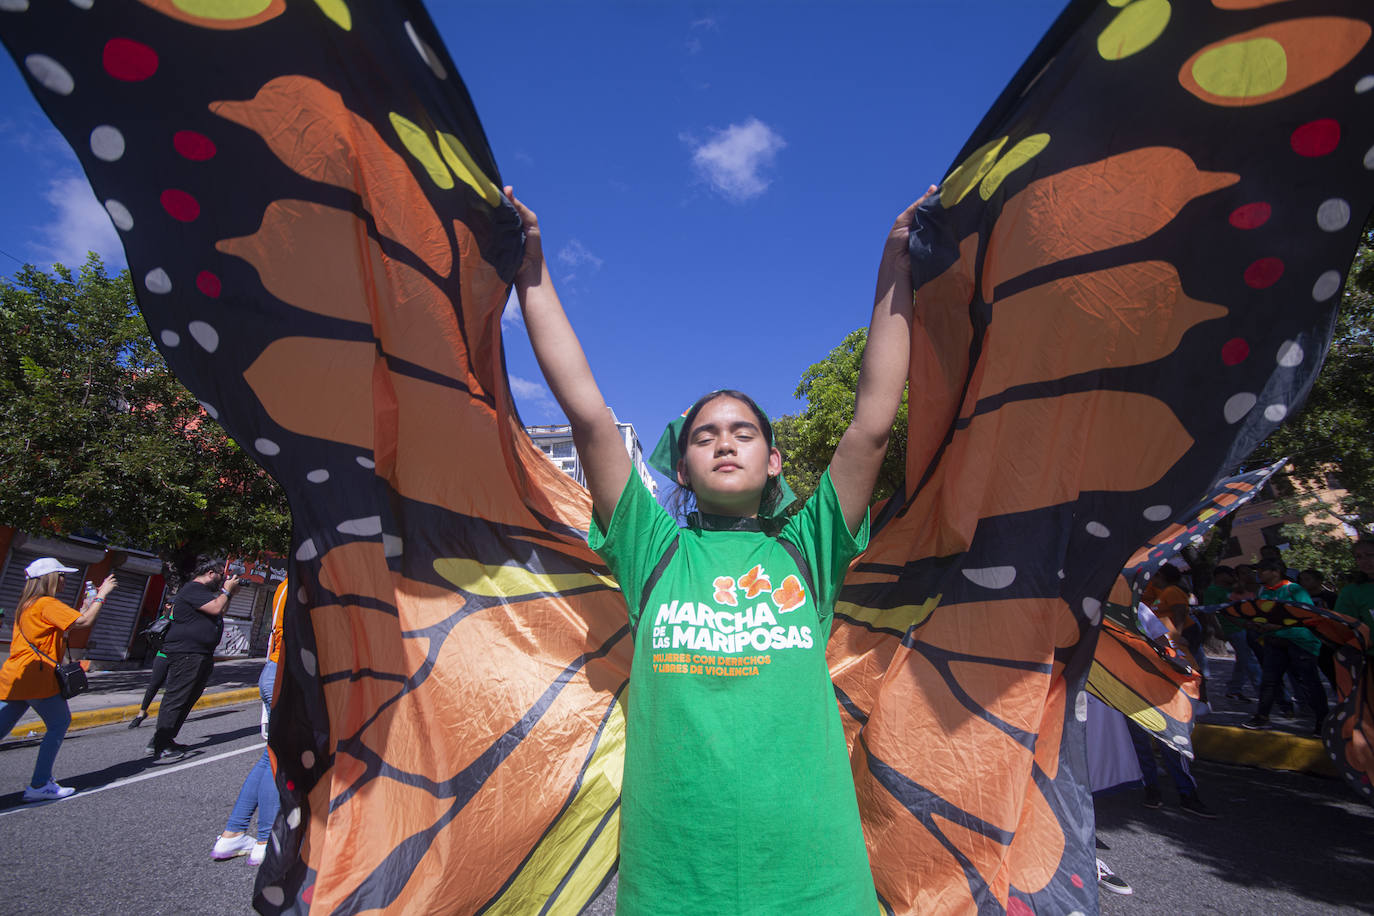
[[241, 605], [113, 629], [12, 585]]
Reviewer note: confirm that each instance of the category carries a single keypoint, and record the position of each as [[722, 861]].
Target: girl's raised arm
[[882, 376], [595, 436]]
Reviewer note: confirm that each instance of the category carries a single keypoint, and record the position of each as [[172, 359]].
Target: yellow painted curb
[[1272, 750], [90, 718]]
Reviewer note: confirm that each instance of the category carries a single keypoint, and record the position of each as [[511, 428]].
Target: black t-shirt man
[[192, 629]]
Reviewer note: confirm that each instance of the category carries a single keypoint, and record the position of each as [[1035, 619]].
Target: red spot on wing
[[128, 60], [1234, 351], [1251, 216], [208, 284], [193, 145], [1263, 273], [180, 205], [1316, 138]]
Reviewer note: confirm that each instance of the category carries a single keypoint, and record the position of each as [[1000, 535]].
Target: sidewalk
[[1288, 745], [116, 695]]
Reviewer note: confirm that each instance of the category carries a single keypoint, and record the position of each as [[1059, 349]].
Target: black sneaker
[[178, 747], [1256, 723], [1194, 806], [1152, 797], [1109, 881], [137, 720]]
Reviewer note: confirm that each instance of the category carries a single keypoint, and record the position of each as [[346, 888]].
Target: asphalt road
[[136, 839]]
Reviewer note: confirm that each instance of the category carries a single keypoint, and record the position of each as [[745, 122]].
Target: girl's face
[[1364, 558], [728, 460]]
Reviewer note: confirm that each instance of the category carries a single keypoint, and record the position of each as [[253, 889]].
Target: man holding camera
[[197, 624]]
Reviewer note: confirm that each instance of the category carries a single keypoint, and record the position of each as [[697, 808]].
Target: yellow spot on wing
[[1242, 69], [223, 9], [896, 618], [418, 143], [558, 865], [1114, 693], [337, 10], [1019, 155], [512, 581], [970, 172], [1134, 29], [458, 159]]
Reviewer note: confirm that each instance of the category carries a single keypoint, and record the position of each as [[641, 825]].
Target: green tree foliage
[[97, 434], [1333, 435], [809, 438]]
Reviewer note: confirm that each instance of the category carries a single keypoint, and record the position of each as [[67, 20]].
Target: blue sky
[[714, 181]]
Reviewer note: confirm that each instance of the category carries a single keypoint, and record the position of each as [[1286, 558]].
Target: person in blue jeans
[[259, 791]]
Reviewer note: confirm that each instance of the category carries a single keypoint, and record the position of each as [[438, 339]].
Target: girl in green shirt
[[737, 795]]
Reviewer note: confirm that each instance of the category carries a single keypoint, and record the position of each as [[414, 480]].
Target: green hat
[[667, 454]]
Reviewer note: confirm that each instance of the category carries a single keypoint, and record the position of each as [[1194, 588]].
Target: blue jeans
[[1247, 666], [259, 790], [1144, 742], [56, 717]]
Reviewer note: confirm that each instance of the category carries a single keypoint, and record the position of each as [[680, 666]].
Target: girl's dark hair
[[772, 490]]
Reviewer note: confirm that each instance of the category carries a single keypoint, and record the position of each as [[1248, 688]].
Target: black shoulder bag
[[71, 677]]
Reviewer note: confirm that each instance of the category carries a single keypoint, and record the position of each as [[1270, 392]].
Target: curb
[[1271, 750], [90, 718]]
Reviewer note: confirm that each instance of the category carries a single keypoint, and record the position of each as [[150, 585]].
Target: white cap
[[44, 565]]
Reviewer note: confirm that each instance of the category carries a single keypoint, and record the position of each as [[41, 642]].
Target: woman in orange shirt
[[28, 679]]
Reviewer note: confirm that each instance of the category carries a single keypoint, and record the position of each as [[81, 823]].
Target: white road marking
[[120, 783]]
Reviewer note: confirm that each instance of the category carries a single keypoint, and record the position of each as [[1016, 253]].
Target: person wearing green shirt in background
[[1357, 599], [1290, 649], [1247, 667]]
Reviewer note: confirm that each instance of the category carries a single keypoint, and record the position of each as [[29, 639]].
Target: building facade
[[557, 443], [113, 641]]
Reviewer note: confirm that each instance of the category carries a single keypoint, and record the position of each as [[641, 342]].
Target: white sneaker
[[51, 792], [227, 847], [259, 853]]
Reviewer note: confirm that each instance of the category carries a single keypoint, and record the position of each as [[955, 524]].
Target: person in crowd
[[156, 677], [1172, 606], [1357, 599], [259, 789], [197, 624], [1288, 650], [1270, 552], [1246, 669], [28, 678], [1313, 582]]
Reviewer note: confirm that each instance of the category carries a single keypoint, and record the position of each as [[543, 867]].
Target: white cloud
[[734, 159], [693, 43], [511, 316], [533, 399], [80, 224], [575, 254]]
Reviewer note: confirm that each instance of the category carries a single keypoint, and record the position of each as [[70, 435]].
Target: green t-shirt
[[1216, 594], [1357, 601], [1295, 594], [737, 796]]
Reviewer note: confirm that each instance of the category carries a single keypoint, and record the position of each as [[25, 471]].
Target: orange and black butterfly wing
[[313, 222], [1130, 278]]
